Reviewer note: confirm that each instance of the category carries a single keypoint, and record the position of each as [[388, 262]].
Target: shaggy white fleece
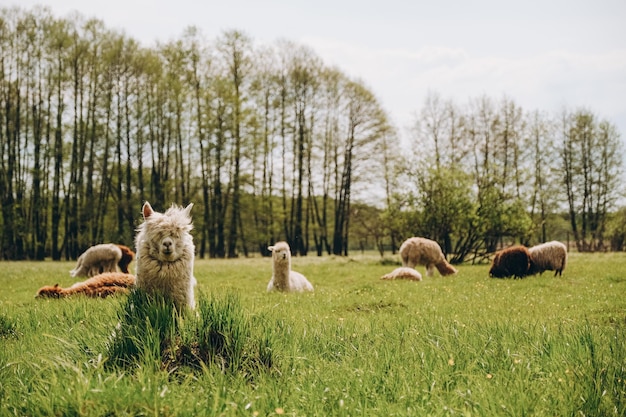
[[165, 255], [403, 272], [549, 256], [421, 251], [283, 278], [96, 260]]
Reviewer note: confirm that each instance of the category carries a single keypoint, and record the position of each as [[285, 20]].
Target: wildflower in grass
[[451, 362], [489, 376], [280, 411]]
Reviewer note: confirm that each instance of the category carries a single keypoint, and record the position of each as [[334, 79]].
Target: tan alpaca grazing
[[106, 257], [102, 285], [421, 251], [403, 273], [165, 255], [283, 278]]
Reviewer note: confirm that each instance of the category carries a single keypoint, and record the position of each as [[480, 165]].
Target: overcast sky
[[543, 54]]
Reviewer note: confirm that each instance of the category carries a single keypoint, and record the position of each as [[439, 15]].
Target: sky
[[545, 55]]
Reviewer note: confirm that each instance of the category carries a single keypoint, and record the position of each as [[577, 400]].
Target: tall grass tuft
[[229, 338], [222, 331], [151, 334], [146, 328], [8, 327]]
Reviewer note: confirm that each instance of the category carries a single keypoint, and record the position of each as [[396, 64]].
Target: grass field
[[358, 346]]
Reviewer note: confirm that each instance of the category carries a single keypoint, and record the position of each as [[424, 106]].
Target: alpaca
[[101, 285], [105, 257], [127, 257], [549, 256], [165, 255], [283, 278], [421, 251], [403, 273], [513, 261]]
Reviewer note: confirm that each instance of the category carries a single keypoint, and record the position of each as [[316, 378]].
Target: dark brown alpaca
[[127, 257]]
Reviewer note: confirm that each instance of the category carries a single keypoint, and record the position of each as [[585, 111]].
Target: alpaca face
[[167, 234], [281, 252], [50, 291], [167, 245]]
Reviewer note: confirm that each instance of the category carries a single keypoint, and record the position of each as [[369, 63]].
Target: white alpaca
[[165, 255], [421, 251], [404, 272], [283, 278], [102, 258], [549, 256]]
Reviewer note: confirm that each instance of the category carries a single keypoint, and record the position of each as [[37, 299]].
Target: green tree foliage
[[271, 144], [489, 175], [591, 160], [92, 124]]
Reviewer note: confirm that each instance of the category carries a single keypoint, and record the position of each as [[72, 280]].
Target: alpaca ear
[[147, 210], [188, 209], [270, 248]]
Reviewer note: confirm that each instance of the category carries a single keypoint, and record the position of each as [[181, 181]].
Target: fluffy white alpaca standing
[[421, 251], [165, 255], [105, 257], [283, 278], [96, 260]]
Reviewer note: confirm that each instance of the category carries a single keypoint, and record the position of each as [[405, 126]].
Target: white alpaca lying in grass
[[283, 278], [404, 272]]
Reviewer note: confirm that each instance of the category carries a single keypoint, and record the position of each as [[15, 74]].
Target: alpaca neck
[[281, 274], [444, 268]]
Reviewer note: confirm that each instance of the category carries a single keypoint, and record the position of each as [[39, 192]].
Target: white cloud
[[543, 55], [546, 81]]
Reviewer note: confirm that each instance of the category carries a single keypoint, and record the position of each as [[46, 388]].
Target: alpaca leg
[[78, 271], [430, 270]]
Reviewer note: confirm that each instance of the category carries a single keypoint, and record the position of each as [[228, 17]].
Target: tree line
[[487, 173], [266, 140], [271, 144]]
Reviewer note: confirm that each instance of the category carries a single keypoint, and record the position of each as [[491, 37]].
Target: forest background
[[269, 143]]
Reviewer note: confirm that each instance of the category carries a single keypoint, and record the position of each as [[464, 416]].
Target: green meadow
[[465, 345]]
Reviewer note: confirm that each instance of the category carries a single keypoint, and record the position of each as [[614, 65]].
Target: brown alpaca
[[102, 285], [513, 261]]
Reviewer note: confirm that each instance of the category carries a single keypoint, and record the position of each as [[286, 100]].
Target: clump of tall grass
[[146, 327], [224, 336], [8, 327], [151, 333]]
